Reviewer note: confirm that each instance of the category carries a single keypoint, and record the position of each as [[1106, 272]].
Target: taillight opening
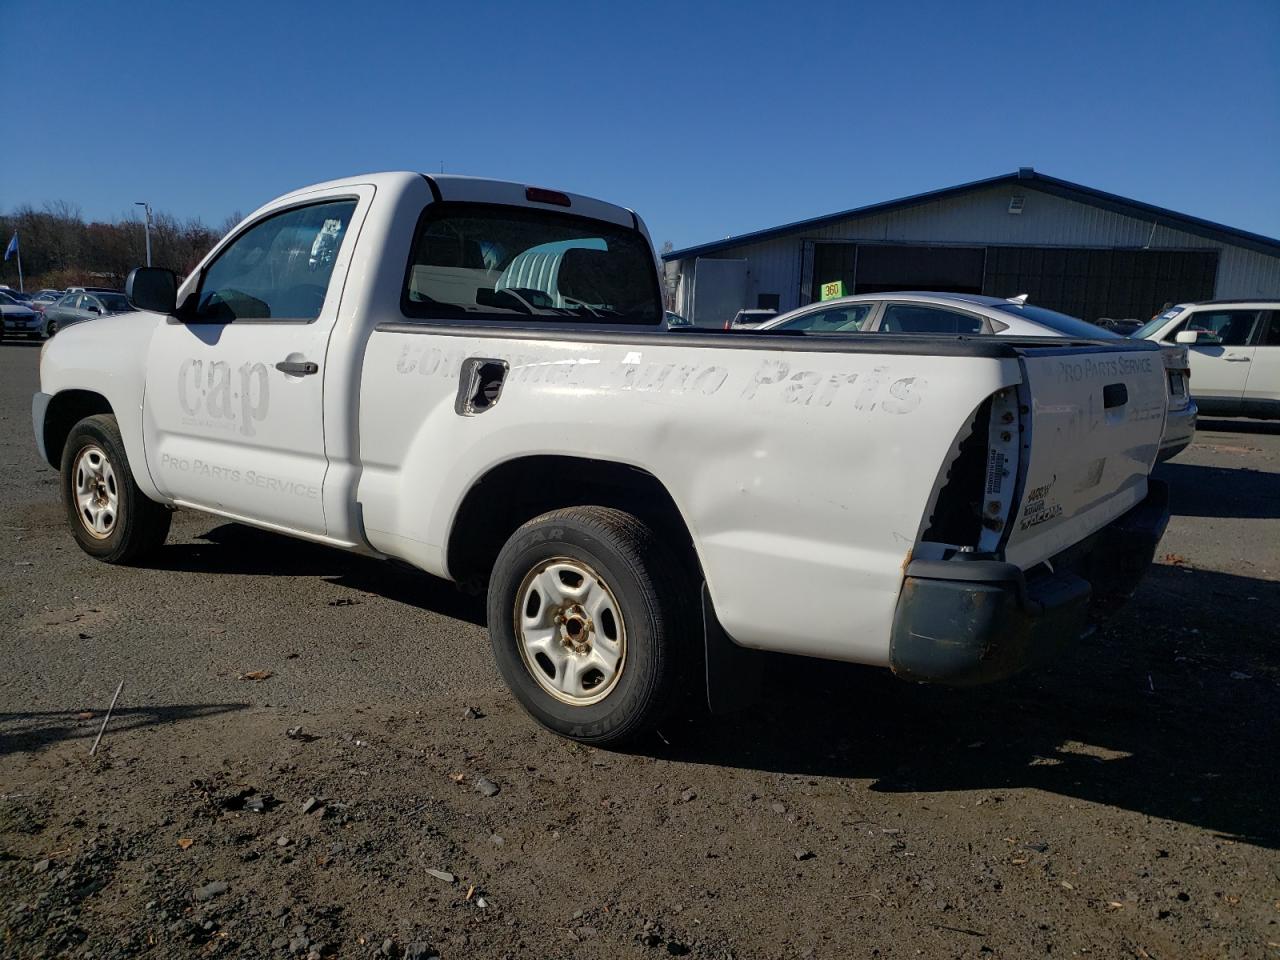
[[975, 499]]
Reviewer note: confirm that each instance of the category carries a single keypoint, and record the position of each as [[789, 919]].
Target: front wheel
[[589, 624], [110, 518]]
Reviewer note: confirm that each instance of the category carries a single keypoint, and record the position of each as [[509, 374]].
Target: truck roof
[[463, 189]]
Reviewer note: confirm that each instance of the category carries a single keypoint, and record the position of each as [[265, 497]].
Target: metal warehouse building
[[1069, 247]]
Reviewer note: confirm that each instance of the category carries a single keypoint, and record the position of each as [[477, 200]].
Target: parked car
[[19, 319], [633, 499], [75, 307], [968, 315], [1235, 353], [45, 298], [750, 319]]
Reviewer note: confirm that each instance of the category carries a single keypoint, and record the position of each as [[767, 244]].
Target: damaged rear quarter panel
[[803, 477]]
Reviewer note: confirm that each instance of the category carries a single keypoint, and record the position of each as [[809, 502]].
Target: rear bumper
[[1179, 431], [969, 622]]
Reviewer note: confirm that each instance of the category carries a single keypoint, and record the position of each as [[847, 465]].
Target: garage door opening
[[878, 268]]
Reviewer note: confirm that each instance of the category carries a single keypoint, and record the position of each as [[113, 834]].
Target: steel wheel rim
[[570, 631], [96, 492]]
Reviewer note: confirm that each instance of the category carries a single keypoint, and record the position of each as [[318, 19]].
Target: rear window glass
[[115, 303], [909, 318], [1064, 324], [478, 261]]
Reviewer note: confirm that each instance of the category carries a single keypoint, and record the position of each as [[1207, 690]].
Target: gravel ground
[[379, 794]]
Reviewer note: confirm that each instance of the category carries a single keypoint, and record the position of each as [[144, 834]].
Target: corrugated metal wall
[[982, 218]]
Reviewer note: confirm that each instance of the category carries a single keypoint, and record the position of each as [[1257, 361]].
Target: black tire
[[50, 329], [139, 525], [654, 601]]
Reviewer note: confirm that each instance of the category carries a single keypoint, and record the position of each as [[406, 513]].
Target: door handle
[[1235, 358], [298, 368]]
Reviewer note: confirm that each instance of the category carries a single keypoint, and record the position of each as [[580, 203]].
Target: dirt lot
[[1120, 803]]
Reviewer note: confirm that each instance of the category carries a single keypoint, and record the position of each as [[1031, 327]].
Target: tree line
[[61, 249]]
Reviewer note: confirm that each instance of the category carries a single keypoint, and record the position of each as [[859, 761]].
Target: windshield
[[1066, 325], [492, 262], [114, 302], [7, 300], [1155, 323]]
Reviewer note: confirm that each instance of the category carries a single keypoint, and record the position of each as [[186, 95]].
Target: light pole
[[146, 226]]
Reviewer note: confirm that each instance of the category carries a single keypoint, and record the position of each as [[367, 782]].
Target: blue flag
[[12, 248]]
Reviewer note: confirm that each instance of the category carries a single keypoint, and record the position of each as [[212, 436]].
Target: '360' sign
[[212, 390]]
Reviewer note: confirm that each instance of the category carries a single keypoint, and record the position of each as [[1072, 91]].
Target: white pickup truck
[[474, 377]]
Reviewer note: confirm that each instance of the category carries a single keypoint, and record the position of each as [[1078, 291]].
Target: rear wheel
[[50, 328], [589, 625], [110, 518]]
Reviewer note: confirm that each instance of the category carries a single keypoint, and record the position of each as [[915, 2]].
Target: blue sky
[[710, 119]]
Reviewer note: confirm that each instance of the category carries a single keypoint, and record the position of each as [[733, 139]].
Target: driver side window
[[279, 268]]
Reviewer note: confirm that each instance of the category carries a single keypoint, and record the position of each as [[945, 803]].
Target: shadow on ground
[[1170, 711], [1201, 491], [235, 549], [29, 732], [1214, 425]]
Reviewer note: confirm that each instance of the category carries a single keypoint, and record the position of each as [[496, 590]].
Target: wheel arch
[[67, 408], [517, 490]]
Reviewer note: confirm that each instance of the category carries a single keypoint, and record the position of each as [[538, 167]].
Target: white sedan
[[966, 314], [1235, 353]]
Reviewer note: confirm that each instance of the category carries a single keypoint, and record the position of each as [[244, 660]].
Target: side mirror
[[152, 288], [1187, 336]]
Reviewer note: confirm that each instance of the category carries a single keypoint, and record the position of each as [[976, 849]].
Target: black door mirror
[[152, 288]]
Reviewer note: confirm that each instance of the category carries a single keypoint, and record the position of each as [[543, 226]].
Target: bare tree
[[59, 248]]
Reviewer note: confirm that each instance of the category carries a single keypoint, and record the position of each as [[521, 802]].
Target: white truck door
[[1220, 361], [233, 412]]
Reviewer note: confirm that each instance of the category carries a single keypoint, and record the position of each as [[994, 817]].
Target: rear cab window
[[490, 262]]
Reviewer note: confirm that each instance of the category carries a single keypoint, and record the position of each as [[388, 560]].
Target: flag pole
[[18, 251]]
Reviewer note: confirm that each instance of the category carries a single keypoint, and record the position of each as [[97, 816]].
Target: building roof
[[1024, 177]]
